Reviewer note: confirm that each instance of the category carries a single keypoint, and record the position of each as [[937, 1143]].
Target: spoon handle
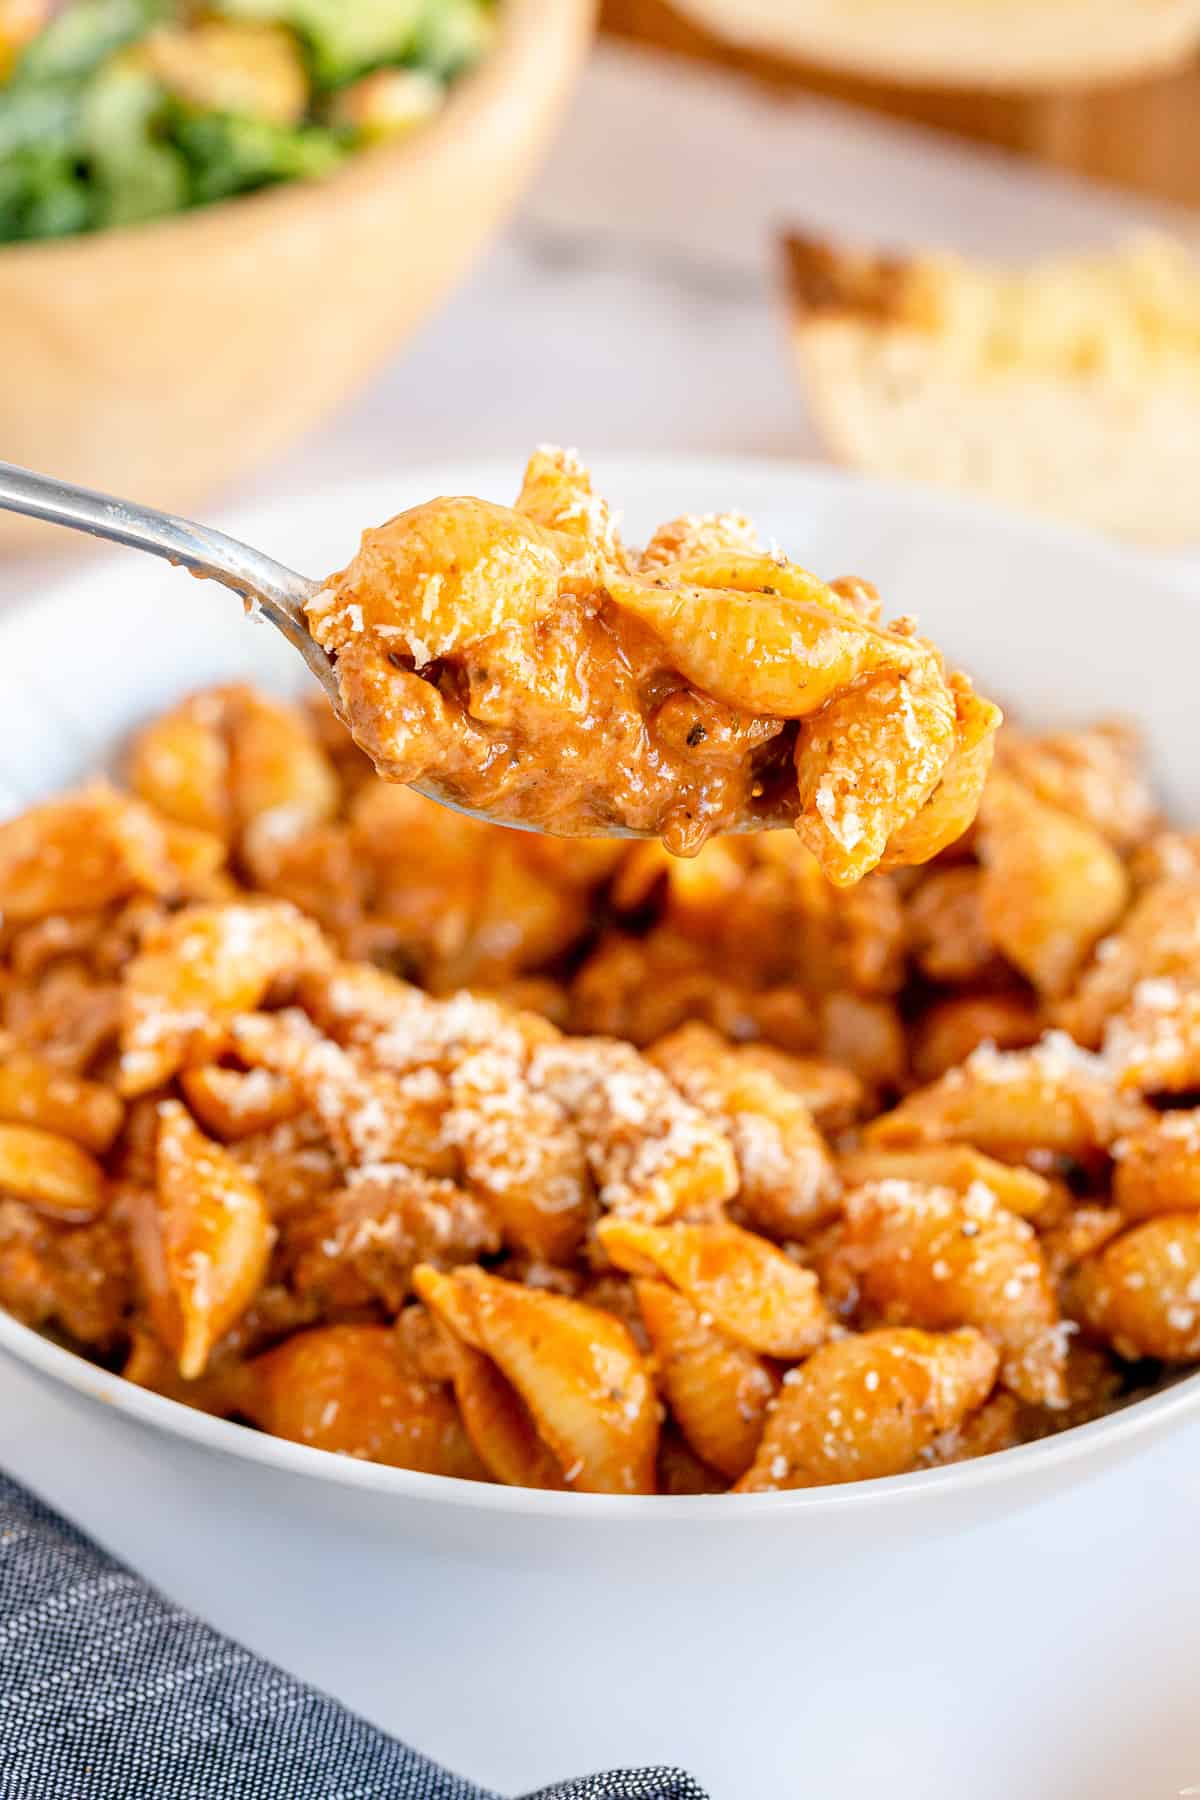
[[278, 591]]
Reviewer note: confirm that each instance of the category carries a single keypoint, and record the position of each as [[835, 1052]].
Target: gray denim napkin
[[109, 1692]]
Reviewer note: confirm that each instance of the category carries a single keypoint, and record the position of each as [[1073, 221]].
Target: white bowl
[[1061, 626]]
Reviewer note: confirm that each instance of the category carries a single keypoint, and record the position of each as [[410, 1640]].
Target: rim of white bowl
[[1135, 1419]]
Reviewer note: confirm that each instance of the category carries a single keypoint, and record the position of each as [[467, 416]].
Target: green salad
[[116, 111]]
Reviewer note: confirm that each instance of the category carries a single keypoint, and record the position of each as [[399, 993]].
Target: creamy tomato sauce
[[525, 663]]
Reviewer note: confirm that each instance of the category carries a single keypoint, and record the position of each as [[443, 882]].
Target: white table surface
[[1052, 1657]]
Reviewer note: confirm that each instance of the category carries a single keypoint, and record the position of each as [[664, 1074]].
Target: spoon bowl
[[268, 589]]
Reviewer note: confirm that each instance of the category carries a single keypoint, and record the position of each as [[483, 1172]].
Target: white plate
[[1063, 625]]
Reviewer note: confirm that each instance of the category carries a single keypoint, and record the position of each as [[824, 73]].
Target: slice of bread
[[1071, 387], [996, 44]]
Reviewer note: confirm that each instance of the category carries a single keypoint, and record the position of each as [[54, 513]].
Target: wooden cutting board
[[1143, 134]]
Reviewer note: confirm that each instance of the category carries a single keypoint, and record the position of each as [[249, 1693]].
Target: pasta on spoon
[[525, 663]]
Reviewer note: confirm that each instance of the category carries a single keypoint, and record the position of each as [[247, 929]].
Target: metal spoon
[[276, 592]]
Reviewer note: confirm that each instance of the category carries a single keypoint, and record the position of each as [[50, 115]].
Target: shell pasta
[[583, 1168], [525, 662]]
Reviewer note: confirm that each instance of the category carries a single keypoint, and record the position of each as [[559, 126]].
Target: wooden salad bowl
[[165, 360]]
